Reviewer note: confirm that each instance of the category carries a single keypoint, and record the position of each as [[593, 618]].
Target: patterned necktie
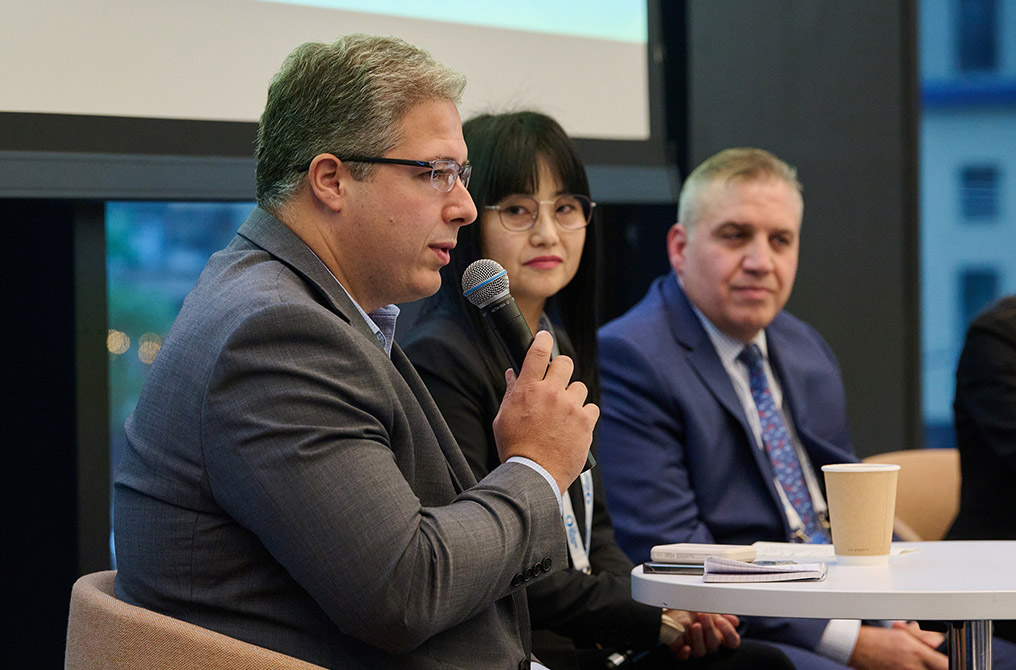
[[779, 445]]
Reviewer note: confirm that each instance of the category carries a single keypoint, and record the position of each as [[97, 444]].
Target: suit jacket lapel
[[789, 379], [690, 335], [796, 400], [276, 238], [702, 356], [461, 474]]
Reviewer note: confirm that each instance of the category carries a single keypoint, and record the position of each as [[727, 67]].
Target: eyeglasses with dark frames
[[443, 173], [519, 213]]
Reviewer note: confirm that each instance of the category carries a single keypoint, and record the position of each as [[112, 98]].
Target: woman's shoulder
[[442, 340], [435, 326]]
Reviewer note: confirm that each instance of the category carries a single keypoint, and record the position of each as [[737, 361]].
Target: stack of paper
[[727, 570]]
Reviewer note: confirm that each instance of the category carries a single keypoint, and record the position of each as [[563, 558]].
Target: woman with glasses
[[535, 210]]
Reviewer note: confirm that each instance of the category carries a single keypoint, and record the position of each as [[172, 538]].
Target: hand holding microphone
[[543, 416]]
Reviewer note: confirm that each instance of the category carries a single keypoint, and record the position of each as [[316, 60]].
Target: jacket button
[[516, 580], [527, 575], [547, 563], [537, 569]]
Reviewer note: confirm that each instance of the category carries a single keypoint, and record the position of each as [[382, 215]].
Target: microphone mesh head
[[483, 281]]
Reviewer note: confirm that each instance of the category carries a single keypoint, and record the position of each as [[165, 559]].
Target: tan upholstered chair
[[108, 634], [928, 490]]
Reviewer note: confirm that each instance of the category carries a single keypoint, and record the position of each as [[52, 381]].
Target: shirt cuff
[[839, 639], [546, 475]]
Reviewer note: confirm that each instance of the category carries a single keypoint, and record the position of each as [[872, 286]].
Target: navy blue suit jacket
[[678, 455]]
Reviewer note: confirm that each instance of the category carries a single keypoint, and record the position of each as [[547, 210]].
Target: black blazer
[[985, 410], [465, 375]]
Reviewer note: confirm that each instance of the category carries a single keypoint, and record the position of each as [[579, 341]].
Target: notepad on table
[[727, 570]]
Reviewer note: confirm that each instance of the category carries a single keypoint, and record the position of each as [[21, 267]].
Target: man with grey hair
[[288, 480], [719, 408]]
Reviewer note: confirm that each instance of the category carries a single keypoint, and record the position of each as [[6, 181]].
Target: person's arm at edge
[[986, 390]]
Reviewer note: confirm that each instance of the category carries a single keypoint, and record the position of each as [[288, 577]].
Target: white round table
[[965, 583]]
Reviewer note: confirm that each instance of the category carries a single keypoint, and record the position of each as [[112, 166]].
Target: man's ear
[[677, 241], [327, 179]]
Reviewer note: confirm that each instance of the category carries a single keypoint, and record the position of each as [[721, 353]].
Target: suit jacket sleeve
[[306, 444], [986, 389], [589, 608], [985, 414]]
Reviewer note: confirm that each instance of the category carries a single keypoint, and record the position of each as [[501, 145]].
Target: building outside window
[[977, 35], [967, 152], [154, 254], [979, 192], [979, 287]]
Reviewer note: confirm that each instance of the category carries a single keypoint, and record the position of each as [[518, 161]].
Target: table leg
[[970, 645]]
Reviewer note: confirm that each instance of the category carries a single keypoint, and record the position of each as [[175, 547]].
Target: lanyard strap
[[579, 553]]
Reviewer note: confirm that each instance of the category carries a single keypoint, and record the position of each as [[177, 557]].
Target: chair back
[[928, 489], [109, 634]]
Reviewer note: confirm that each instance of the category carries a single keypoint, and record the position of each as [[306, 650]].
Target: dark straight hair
[[505, 150]]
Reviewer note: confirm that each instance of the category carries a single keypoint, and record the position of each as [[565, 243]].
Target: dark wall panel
[[831, 88], [39, 477]]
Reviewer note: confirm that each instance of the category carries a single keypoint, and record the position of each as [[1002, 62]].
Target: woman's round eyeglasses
[[520, 212]]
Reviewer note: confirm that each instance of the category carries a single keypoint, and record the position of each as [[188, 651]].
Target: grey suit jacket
[[288, 484]]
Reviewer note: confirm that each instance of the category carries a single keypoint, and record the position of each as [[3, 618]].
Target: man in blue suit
[[685, 455]]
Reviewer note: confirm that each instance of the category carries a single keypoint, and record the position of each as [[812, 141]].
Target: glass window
[[967, 154], [154, 254]]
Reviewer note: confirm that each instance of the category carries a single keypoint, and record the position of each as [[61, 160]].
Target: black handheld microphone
[[485, 285]]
